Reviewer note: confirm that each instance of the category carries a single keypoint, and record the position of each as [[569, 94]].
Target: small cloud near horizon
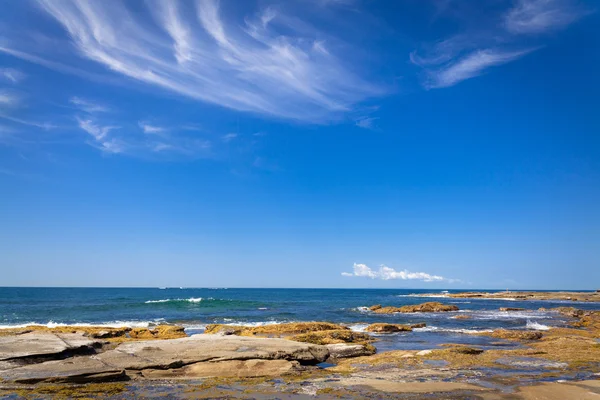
[[386, 273]]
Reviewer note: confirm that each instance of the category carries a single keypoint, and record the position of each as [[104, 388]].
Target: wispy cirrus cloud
[[151, 129], [540, 16], [88, 105], [261, 63], [11, 75], [471, 65], [469, 54], [96, 130], [387, 273]]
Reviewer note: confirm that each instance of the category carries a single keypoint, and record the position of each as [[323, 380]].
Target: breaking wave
[[451, 330], [190, 300], [536, 326], [113, 324]]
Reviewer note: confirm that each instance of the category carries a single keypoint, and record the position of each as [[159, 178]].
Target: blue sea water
[[195, 308]]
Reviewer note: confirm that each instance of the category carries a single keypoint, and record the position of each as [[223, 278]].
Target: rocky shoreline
[[517, 295], [299, 359]]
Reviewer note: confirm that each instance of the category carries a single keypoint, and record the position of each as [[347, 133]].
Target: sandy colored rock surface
[[342, 350], [42, 344], [226, 369], [333, 337], [166, 354], [73, 370], [277, 330]]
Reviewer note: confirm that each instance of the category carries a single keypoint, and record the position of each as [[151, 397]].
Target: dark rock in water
[[515, 334], [387, 328], [432, 306], [511, 309], [466, 350], [418, 325], [375, 307]]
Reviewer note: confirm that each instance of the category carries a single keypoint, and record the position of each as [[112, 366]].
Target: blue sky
[[317, 143]]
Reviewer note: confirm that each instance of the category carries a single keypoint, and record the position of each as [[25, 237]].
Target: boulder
[[511, 309], [375, 307], [342, 350], [388, 328], [432, 306]]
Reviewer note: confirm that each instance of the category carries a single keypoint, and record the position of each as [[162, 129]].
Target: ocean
[[195, 308]]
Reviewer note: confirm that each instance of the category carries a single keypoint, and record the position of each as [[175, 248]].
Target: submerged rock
[[511, 309], [432, 306]]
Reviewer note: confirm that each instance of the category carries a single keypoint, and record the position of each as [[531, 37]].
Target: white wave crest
[[113, 324], [358, 327], [450, 330], [537, 326], [190, 300]]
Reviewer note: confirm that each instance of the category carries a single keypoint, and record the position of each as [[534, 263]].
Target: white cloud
[[12, 75], [387, 273], [260, 62], [87, 105], [151, 129], [366, 122], [470, 66], [98, 132], [229, 137], [539, 16], [8, 99], [497, 41]]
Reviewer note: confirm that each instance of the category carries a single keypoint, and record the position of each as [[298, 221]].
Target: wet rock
[[388, 328], [462, 317], [461, 349], [511, 309], [418, 325], [375, 307], [341, 350], [432, 306], [515, 334]]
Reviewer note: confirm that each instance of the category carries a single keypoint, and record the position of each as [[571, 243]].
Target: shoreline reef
[[522, 295], [319, 359]]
